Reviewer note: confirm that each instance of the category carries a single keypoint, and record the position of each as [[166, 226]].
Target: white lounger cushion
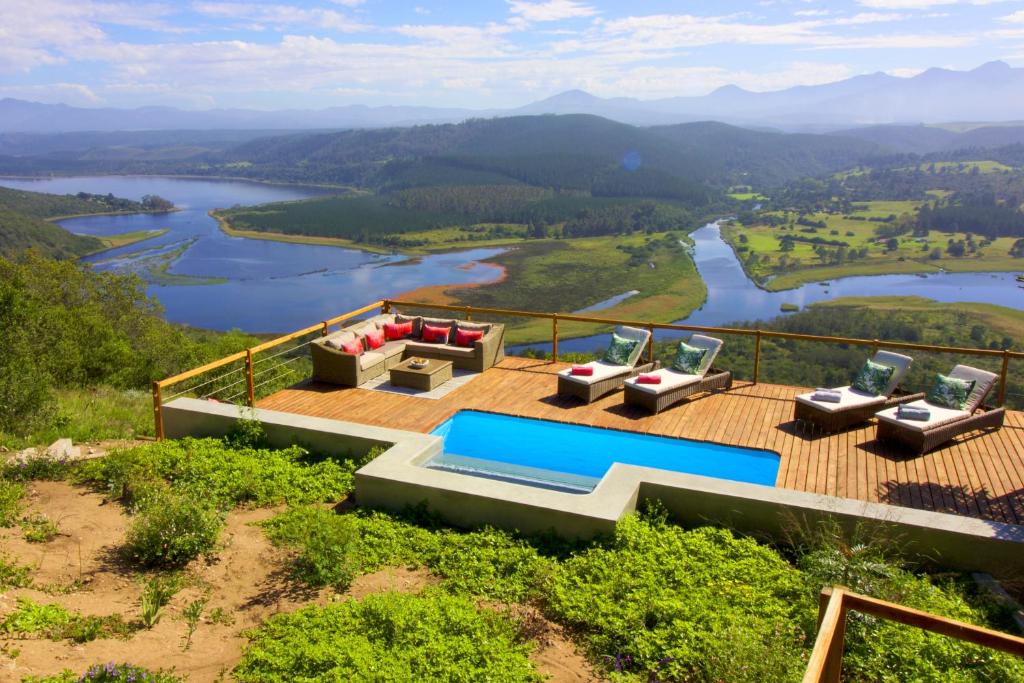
[[900, 365], [638, 335], [850, 398], [670, 379], [602, 371], [939, 415], [712, 345]]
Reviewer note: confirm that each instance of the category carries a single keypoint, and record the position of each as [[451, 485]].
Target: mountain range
[[992, 92]]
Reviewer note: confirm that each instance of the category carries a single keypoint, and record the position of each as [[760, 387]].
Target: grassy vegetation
[[126, 238], [982, 166], [567, 275], [779, 269], [747, 196], [55, 622]]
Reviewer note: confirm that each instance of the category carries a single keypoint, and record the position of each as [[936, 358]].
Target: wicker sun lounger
[[855, 407], [945, 423], [677, 386], [607, 377]]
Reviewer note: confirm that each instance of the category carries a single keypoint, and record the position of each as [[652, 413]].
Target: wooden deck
[[981, 475]]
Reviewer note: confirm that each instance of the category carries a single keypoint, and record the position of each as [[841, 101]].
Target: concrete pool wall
[[396, 479]]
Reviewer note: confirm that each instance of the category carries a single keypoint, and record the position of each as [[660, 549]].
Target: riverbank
[[340, 242], [126, 239]]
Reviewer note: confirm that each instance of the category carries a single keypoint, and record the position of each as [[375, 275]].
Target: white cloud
[[67, 93], [552, 10], [904, 72], [869, 18], [924, 4], [1015, 18], [812, 13], [279, 16]]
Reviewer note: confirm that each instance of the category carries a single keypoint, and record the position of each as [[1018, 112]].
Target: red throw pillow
[[467, 337], [396, 331], [354, 347], [436, 334], [582, 370], [375, 339], [648, 379]]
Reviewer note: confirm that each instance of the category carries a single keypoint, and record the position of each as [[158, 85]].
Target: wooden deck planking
[[980, 475]]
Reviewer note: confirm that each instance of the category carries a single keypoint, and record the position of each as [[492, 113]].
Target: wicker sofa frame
[[713, 380], [839, 420], [589, 393], [920, 442], [334, 366]]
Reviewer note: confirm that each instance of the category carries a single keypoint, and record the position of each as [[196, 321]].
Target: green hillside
[[44, 205], [19, 232]]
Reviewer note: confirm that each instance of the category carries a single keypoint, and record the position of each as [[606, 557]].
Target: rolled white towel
[[913, 413], [827, 395]]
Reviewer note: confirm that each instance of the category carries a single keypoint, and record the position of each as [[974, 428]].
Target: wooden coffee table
[[436, 373]]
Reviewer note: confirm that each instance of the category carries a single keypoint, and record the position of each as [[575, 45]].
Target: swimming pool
[[573, 458]]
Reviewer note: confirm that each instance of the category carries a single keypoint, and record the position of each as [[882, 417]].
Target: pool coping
[[396, 480]]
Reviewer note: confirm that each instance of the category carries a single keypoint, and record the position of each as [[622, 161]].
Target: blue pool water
[[575, 457]]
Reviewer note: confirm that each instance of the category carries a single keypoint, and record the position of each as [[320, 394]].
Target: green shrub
[[662, 599], [54, 622], [326, 545], [39, 528], [11, 493], [173, 529], [12, 574], [217, 471], [387, 637], [110, 673]]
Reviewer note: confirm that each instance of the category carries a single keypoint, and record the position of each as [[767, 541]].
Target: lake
[[262, 285], [733, 297]]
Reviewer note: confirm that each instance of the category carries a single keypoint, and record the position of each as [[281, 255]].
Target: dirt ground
[[248, 579]]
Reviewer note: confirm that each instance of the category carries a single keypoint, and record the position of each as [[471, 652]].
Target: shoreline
[[52, 176], [54, 219], [126, 239], [339, 242], [438, 294]]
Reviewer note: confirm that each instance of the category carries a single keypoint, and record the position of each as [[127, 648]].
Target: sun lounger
[[674, 386], [854, 406], [943, 423], [606, 377]]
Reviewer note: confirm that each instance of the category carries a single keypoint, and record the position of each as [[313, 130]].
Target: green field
[[747, 196], [567, 275], [983, 166], [126, 238], [912, 255]]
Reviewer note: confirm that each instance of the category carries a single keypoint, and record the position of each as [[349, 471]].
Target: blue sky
[[485, 53]]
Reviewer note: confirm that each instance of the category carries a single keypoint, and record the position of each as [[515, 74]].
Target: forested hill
[[22, 224], [19, 232], [574, 152]]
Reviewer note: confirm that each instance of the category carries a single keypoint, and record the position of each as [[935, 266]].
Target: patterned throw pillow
[[873, 378], [688, 358], [950, 392], [619, 350]]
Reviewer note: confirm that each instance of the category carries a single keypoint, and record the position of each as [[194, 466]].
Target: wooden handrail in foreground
[[387, 306], [825, 664]]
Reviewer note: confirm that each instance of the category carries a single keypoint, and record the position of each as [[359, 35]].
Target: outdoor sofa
[[607, 376], [333, 365], [674, 385], [943, 424], [854, 406]]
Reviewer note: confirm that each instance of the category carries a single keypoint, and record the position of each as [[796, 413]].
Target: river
[[733, 297], [261, 285]]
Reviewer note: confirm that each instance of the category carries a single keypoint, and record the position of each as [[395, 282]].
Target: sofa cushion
[[369, 359], [465, 325], [436, 334], [417, 322], [335, 340], [466, 338], [392, 348], [415, 347], [396, 331], [353, 346], [363, 329], [374, 339]]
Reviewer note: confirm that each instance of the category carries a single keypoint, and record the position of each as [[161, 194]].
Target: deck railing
[[244, 373], [826, 661]]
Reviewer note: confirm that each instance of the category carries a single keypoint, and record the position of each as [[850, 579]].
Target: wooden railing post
[[554, 338], [650, 344], [469, 312], [385, 306], [250, 387], [158, 415], [826, 662], [757, 356], [1003, 374]]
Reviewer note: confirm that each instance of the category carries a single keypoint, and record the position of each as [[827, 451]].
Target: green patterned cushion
[[950, 392], [873, 378], [688, 358], [619, 350]]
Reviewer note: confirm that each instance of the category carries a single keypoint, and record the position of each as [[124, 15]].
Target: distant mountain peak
[[997, 66]]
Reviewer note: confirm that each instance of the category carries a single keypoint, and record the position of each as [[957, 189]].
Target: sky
[[479, 54]]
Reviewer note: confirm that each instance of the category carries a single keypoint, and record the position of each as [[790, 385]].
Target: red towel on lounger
[[583, 370], [648, 379]]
